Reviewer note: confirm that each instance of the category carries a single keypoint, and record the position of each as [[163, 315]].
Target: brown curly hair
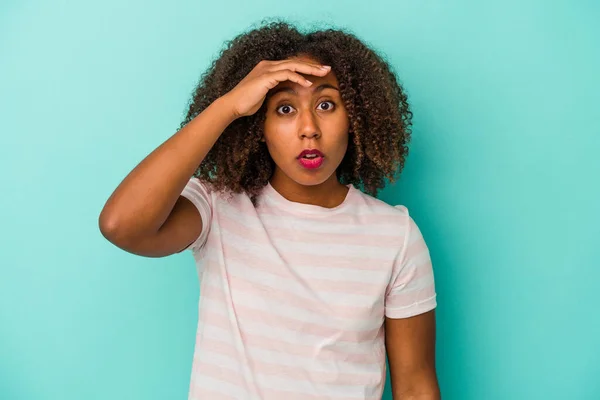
[[378, 112]]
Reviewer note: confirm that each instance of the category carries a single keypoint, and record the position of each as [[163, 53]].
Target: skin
[[298, 118], [318, 119], [410, 346]]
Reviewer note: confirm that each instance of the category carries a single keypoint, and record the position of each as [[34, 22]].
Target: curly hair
[[377, 107]]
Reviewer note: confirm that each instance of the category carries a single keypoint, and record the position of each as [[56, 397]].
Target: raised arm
[[146, 215]]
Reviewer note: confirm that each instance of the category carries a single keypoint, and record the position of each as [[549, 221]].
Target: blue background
[[502, 179]]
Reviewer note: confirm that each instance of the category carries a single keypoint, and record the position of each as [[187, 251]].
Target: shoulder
[[373, 205], [204, 195], [390, 221]]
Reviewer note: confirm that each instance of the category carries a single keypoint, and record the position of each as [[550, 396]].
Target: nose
[[308, 126]]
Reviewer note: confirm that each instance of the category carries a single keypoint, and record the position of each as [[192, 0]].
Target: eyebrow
[[292, 91]]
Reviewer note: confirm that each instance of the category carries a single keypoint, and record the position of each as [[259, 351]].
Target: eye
[[330, 107], [284, 106]]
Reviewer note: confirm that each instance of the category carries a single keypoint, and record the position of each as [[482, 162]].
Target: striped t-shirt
[[293, 296]]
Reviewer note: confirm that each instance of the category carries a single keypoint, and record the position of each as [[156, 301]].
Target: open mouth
[[311, 158], [310, 154]]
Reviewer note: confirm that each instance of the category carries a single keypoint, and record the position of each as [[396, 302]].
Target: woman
[[306, 282]]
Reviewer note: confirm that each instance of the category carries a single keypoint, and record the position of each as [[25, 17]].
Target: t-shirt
[[293, 296]]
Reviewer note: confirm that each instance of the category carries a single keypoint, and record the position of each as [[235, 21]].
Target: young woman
[[306, 281]]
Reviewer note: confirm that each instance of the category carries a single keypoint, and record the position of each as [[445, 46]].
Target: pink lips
[[313, 162]]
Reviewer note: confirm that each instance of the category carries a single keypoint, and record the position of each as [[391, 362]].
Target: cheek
[[342, 141], [278, 135], [277, 142], [344, 147]]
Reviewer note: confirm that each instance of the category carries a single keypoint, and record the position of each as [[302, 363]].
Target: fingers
[[284, 75], [301, 67]]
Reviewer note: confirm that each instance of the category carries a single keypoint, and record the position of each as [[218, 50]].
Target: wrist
[[225, 106]]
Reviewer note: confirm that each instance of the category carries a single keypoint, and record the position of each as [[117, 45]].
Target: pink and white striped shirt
[[293, 296]]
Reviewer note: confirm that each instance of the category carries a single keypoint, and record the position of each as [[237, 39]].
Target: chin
[[309, 182], [311, 178]]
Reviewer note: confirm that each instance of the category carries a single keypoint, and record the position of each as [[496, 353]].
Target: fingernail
[[325, 67]]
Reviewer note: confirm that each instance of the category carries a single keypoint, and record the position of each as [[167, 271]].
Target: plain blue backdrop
[[502, 178]]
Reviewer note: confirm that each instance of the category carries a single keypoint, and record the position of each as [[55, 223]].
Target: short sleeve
[[195, 191], [412, 288]]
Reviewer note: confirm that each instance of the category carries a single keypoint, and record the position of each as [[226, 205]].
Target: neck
[[328, 194]]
